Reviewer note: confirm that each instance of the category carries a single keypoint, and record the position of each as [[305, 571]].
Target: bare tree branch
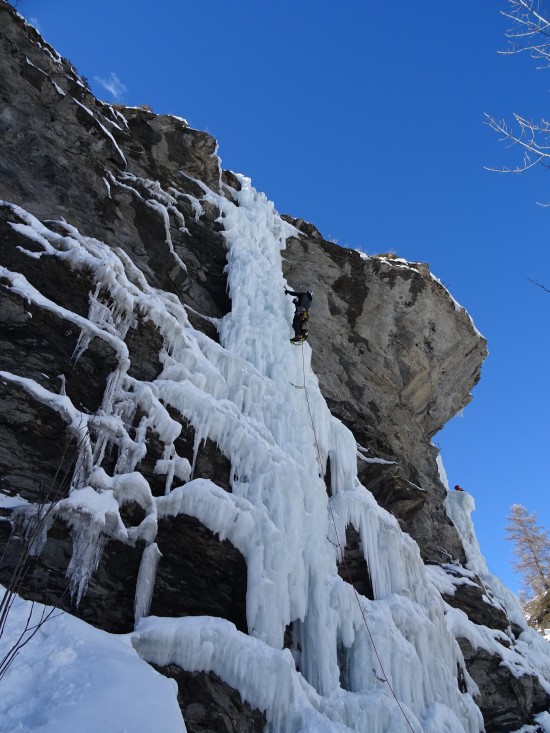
[[540, 285], [529, 33], [25, 538], [534, 152]]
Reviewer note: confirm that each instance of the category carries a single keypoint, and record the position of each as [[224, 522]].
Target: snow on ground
[[72, 678]]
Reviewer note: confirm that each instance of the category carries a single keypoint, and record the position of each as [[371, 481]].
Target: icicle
[[146, 580]]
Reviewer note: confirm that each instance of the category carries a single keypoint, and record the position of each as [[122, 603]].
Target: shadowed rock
[[353, 568], [197, 574], [208, 705], [506, 702], [37, 457], [392, 490]]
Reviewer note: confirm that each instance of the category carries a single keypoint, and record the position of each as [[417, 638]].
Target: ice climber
[[302, 303]]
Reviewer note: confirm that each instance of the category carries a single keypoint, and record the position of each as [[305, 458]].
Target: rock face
[[209, 705], [395, 356], [392, 369], [507, 702]]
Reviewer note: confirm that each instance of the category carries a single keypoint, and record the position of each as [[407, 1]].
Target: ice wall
[[355, 664]]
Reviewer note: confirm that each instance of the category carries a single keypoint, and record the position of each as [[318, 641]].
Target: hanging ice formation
[[240, 394]]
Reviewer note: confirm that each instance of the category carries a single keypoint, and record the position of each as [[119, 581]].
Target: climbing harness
[[341, 552]]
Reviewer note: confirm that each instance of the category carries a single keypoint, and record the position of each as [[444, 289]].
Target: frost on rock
[[354, 665], [103, 129]]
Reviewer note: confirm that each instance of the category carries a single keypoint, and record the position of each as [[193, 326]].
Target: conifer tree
[[531, 548]]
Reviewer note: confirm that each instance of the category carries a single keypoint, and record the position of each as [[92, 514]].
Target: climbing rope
[[342, 555]]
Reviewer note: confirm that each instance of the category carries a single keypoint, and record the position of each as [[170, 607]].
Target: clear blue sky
[[367, 119]]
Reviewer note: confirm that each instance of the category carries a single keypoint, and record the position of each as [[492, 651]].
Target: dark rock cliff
[[395, 356]]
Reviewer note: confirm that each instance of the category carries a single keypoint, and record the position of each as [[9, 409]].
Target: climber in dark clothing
[[302, 303]]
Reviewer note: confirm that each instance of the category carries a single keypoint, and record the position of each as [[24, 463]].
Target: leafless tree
[[530, 30], [529, 33], [531, 548], [18, 552], [22, 541]]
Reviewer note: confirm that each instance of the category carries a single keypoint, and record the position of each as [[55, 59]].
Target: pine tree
[[531, 548]]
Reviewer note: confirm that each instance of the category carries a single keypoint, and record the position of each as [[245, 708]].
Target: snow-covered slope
[[72, 677]]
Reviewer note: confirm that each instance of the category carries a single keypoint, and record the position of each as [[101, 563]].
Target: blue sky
[[367, 119]]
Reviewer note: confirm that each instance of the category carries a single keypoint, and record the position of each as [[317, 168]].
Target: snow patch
[[72, 677]]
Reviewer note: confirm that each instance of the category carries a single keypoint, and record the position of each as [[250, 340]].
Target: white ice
[[349, 655]]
